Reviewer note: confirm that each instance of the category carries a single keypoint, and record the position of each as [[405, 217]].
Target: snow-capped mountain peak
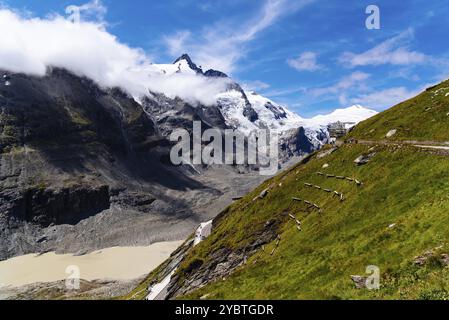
[[350, 116], [186, 61], [185, 65], [247, 111]]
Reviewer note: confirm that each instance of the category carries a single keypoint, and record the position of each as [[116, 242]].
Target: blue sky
[[312, 55]]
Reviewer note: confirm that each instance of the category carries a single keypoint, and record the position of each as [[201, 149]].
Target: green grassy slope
[[400, 212], [401, 187], [424, 117]]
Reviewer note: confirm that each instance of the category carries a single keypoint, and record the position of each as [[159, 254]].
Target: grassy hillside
[[401, 187], [422, 118], [399, 212]]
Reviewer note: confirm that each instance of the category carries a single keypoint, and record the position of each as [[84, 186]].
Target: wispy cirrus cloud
[[355, 80], [394, 51], [255, 85], [386, 98], [307, 61], [223, 44]]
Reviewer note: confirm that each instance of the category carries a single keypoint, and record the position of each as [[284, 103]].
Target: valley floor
[[113, 265]]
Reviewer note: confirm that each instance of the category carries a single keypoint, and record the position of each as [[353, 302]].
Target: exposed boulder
[[359, 281], [364, 159], [434, 255], [391, 133]]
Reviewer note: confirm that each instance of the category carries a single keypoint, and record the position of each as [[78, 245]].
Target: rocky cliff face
[[72, 153]]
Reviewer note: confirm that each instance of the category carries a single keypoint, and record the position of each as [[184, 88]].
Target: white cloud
[[221, 46], [177, 42], [393, 51], [30, 45], [355, 80], [387, 98], [307, 61]]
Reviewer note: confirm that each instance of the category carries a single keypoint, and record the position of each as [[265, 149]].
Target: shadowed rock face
[[295, 143], [70, 150], [65, 206], [84, 168]]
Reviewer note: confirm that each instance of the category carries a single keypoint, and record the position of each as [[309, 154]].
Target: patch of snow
[[181, 66], [232, 106], [273, 115], [203, 231], [159, 290]]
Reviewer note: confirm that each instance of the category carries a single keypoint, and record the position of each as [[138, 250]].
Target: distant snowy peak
[[351, 116], [247, 111]]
